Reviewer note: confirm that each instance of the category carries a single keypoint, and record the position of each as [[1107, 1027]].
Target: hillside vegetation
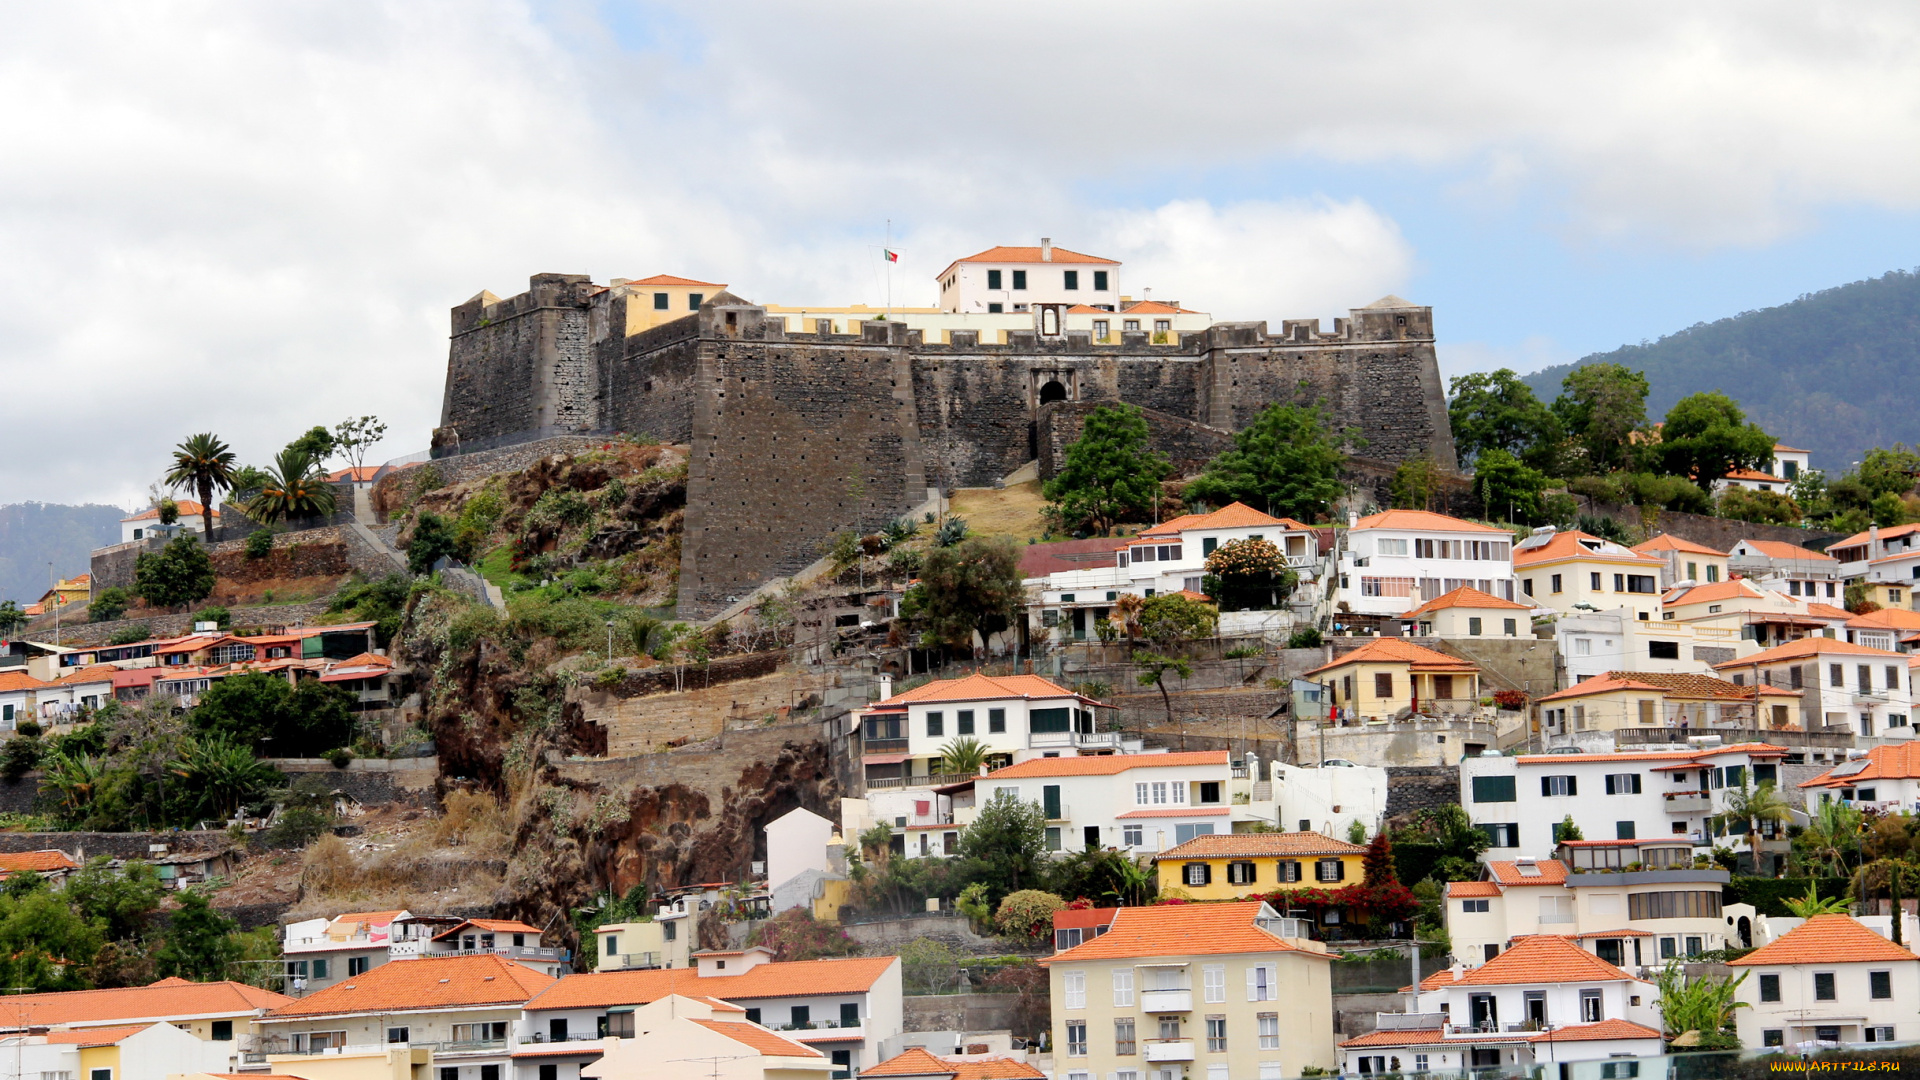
[[1830, 372]]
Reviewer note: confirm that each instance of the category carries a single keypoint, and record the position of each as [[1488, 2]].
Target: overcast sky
[[251, 218]]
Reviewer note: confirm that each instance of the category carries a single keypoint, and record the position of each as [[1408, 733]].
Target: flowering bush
[[1510, 700], [1027, 913], [1248, 575]]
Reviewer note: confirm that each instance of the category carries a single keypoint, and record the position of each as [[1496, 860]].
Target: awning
[[883, 759]]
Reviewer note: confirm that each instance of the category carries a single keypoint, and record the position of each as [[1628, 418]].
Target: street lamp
[[609, 641]]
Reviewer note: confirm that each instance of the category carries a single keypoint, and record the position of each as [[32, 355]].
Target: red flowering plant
[[1376, 900], [1510, 700]]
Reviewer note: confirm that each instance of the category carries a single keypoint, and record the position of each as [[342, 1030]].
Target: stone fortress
[[799, 430]]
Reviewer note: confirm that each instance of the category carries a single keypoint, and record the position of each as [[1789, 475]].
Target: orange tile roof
[[1040, 560], [1755, 476], [977, 687], [92, 673], [1718, 590], [1538, 958], [1209, 929], [188, 508], [1862, 537], [19, 680], [357, 473], [1702, 687], [602, 988], [1004, 254], [1552, 872], [497, 926], [100, 1036], [432, 982], [758, 1038], [1422, 520], [917, 1061], [1895, 761], [1154, 307], [1826, 939], [1106, 764], [1614, 1028], [1567, 545], [669, 279], [164, 1000], [1234, 515], [1670, 542], [1828, 611], [1601, 684], [1466, 889], [1413, 1037], [1399, 651], [1780, 549], [40, 862], [1260, 845], [1805, 647], [1465, 597], [1887, 619]]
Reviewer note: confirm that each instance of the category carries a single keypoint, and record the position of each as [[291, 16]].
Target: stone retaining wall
[[260, 617], [1412, 788]]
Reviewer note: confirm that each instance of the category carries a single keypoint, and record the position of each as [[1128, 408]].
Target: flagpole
[[886, 256]]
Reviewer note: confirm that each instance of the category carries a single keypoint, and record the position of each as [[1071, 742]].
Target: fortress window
[[693, 301], [1070, 279], [993, 279], [1099, 281], [660, 301], [1019, 279]]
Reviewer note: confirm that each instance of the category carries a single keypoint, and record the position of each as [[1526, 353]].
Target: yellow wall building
[[663, 298], [1384, 676], [1566, 569], [1686, 560], [1470, 613], [1235, 866], [1629, 699]]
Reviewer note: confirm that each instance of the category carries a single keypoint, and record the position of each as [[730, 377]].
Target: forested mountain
[[1833, 372], [34, 534]]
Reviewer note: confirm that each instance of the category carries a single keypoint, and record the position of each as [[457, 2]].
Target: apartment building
[[1575, 571], [1242, 866], [1841, 684], [1654, 795], [1632, 918], [1007, 279], [708, 1037], [1132, 802], [1788, 568], [1542, 1002], [1397, 560], [1126, 1005], [1686, 560], [1892, 629], [1829, 980], [1635, 699], [1592, 643], [1886, 780], [1017, 717]]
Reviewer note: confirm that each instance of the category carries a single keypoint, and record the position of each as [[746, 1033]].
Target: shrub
[[1510, 700], [177, 574], [1765, 507], [127, 635], [1027, 914], [431, 541], [1307, 637], [340, 758], [218, 615], [951, 532], [260, 544], [21, 753], [109, 604]]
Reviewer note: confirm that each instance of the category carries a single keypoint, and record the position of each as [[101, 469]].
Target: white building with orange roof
[[1396, 560], [18, 691], [1752, 480], [321, 952], [1385, 676], [218, 1012], [920, 1064], [141, 526], [1635, 918], [698, 1038], [1829, 980], [1016, 717], [1742, 616], [1687, 703], [1887, 560], [1788, 568], [1842, 685], [149, 1051], [1886, 780], [1469, 613], [1223, 990], [1010, 279], [1544, 1002], [1571, 571], [1686, 560], [1893, 629], [1649, 795], [1137, 803]]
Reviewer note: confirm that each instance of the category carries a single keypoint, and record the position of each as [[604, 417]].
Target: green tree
[[1831, 839], [1287, 461], [1027, 914], [296, 487], [11, 618], [1110, 474], [1601, 406], [108, 604], [1415, 483], [1704, 1004], [122, 900], [433, 539], [1153, 671], [1248, 575], [317, 443], [1568, 829], [202, 464], [44, 943], [261, 711], [973, 586], [1496, 411], [180, 573], [1887, 510], [1007, 844], [217, 776], [1505, 486], [1170, 618], [1889, 470], [353, 437], [198, 944], [1706, 436], [964, 754]]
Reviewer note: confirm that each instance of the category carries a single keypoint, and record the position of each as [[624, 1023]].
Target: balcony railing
[[518, 952], [1169, 1049], [463, 1046], [631, 961], [1688, 802], [818, 1025], [1039, 739], [1159, 1001], [884, 746], [541, 1037]]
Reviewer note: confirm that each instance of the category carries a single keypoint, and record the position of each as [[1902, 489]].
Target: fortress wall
[[521, 364], [1390, 391], [1187, 445], [650, 381], [973, 413], [782, 430]]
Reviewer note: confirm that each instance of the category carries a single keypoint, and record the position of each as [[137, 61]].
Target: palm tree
[[1893, 875], [1833, 832], [73, 782], [222, 773], [1752, 806], [1810, 905], [201, 464], [295, 487], [965, 754]]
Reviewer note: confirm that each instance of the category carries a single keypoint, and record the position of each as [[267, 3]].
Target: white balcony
[[1688, 802], [1166, 1001], [1169, 1049]]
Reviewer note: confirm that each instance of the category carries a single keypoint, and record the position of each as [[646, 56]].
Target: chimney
[[1046, 249], [1873, 541]]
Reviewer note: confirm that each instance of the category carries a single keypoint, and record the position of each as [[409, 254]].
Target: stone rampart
[[1413, 788], [1187, 444], [261, 617]]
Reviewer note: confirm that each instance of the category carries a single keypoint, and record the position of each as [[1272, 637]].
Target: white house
[[1021, 278], [321, 952], [1753, 480], [1399, 559], [1017, 717], [1592, 643], [150, 1051], [1653, 795], [140, 526], [796, 843], [1829, 980], [17, 693], [1133, 802], [1789, 462], [1686, 560], [1572, 571], [1892, 629], [1630, 918], [1886, 557], [1886, 780], [1542, 1002], [1788, 568], [1469, 613], [1842, 684], [681, 1038]]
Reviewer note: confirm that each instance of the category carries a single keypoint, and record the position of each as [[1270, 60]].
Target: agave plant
[[296, 487], [202, 463]]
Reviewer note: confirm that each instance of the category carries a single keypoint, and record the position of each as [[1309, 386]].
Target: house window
[[1769, 988], [963, 722], [1240, 873], [1472, 907], [993, 279], [1502, 835], [1213, 983], [1836, 675], [1880, 985], [995, 309], [1123, 1042], [1526, 586], [1559, 785], [1076, 1038], [1509, 627], [1773, 1037], [1594, 582], [693, 301], [1019, 279], [394, 1034], [1329, 870], [1053, 838], [1122, 988], [1493, 789], [356, 965], [1073, 985], [1070, 279], [1623, 830], [1132, 835], [1623, 783], [550, 1071], [1880, 1034], [1589, 1006], [661, 301], [1216, 1034], [1823, 986], [1099, 281], [1209, 791], [936, 725], [222, 1031], [1196, 873], [1556, 583], [1473, 626], [1382, 684], [1663, 650], [1102, 329], [1270, 1031]]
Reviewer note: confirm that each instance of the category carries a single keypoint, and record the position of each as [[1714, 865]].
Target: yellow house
[[347, 1063], [1467, 612], [1686, 560], [1235, 866], [1387, 675], [1565, 570], [662, 298], [1634, 699]]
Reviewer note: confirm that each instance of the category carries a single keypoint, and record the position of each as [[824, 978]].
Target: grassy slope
[[1012, 511]]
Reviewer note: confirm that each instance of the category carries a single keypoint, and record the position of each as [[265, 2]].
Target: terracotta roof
[[1465, 597], [916, 1061], [19, 680], [1758, 749], [1670, 542], [1025, 255], [1894, 761], [669, 279], [1234, 515], [1887, 619], [1182, 930], [39, 862], [602, 988], [1154, 307], [1459, 890], [1039, 560], [1717, 590], [1755, 476], [356, 473], [1780, 549], [758, 1038], [1704, 687], [1106, 764], [1614, 1028], [1568, 544], [1862, 537], [1260, 845], [431, 982], [168, 998], [1828, 611], [496, 926], [977, 687], [1552, 872], [1539, 958], [1414, 1037], [1068, 918], [1423, 521], [92, 673], [188, 508], [1602, 684], [1400, 651], [100, 1036], [1826, 939], [1807, 646]]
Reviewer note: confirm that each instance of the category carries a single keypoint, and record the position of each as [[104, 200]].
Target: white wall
[[796, 842], [1797, 1011], [1368, 557]]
